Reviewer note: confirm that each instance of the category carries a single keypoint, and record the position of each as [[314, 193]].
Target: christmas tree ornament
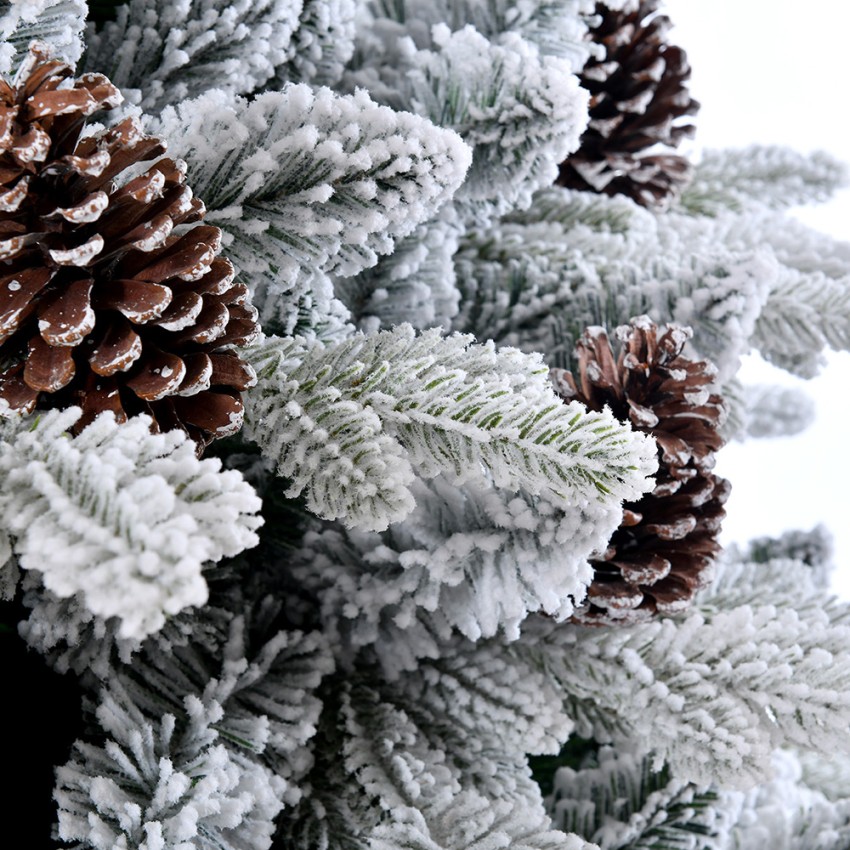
[[112, 297], [663, 551], [638, 100]]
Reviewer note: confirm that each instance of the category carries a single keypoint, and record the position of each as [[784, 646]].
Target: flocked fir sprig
[[371, 660], [125, 518], [374, 410]]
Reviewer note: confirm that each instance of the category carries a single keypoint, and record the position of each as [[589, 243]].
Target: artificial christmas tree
[[358, 621]]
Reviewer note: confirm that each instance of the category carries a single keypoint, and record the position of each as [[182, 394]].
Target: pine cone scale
[[48, 368], [157, 374], [67, 320], [139, 301], [20, 288], [117, 351]]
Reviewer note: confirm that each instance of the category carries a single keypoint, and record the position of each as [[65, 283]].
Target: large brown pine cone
[[102, 303], [663, 551], [638, 96]]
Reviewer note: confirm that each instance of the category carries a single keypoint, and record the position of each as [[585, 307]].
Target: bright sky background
[[776, 72]]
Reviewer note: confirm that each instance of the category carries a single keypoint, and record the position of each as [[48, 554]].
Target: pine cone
[[663, 551], [102, 304], [638, 94]]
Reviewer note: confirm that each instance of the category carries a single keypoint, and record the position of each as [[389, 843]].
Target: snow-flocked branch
[[307, 183], [125, 518], [349, 424], [57, 23]]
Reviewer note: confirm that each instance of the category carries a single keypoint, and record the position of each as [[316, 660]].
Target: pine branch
[[621, 802], [521, 112], [714, 692], [264, 684], [804, 314], [322, 45], [485, 699], [785, 812], [474, 560], [416, 283], [310, 183], [769, 410], [163, 784], [372, 407], [761, 177], [170, 51], [57, 23], [557, 27], [540, 278], [122, 516], [397, 790], [470, 821]]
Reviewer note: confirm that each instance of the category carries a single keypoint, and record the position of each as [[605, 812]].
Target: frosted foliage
[[776, 411], [806, 306], [557, 27], [56, 23], [470, 717], [163, 786], [620, 802], [334, 450], [122, 516], [815, 548], [830, 776], [786, 815], [483, 698], [265, 689], [474, 559], [69, 634], [307, 183], [741, 281], [760, 176], [348, 425], [767, 572], [415, 283], [715, 693], [537, 280], [168, 51], [470, 820], [9, 572], [322, 44], [418, 800], [521, 112], [800, 247], [804, 314]]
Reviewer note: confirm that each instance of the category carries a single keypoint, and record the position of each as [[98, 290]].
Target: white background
[[777, 72]]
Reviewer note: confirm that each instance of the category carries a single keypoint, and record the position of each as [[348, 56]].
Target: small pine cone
[[102, 304], [663, 551], [638, 93]]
